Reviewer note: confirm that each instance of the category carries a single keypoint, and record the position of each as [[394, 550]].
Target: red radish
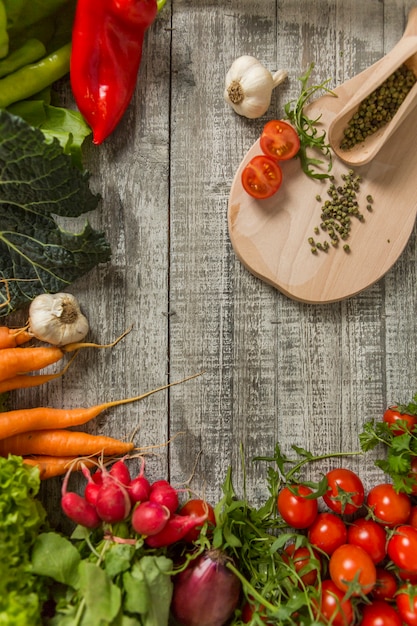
[[175, 529], [206, 593], [120, 472], [97, 477], [149, 518], [165, 494], [139, 489], [93, 486], [113, 502], [79, 510]]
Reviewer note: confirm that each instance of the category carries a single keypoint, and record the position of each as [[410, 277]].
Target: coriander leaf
[[39, 182]]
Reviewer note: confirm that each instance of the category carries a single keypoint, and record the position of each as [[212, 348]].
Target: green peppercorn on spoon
[[277, 239], [358, 150]]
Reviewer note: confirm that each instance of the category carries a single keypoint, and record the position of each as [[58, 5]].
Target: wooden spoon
[[405, 52], [270, 237]]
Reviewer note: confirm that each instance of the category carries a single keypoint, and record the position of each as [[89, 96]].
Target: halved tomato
[[279, 140], [262, 177]]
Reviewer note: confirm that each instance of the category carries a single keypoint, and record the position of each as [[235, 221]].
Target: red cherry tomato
[[301, 560], [385, 586], [399, 422], [380, 613], [351, 565], [402, 548], [412, 520], [345, 493], [413, 476], [334, 609], [388, 506], [198, 508], [370, 536], [279, 140], [327, 532], [295, 507], [406, 601], [262, 177]]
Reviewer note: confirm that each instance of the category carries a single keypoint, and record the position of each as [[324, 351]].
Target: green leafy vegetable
[[308, 131], [22, 518], [39, 182]]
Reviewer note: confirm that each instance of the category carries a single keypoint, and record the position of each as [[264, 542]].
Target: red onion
[[206, 593]]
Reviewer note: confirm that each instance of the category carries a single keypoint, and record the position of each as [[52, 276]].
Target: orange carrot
[[25, 381], [51, 466], [13, 337], [41, 418], [61, 442]]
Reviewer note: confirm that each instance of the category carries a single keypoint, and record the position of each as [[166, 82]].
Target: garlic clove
[[57, 319], [249, 86]]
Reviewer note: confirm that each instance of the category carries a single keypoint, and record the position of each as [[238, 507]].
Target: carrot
[[51, 466], [61, 442], [15, 361], [13, 337], [41, 418], [25, 381]]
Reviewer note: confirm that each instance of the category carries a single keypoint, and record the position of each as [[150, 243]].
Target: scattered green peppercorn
[[379, 107]]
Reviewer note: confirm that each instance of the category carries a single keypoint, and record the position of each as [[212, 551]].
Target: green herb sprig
[[307, 130]]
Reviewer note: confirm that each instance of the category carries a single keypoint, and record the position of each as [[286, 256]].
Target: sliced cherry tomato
[[385, 586], [350, 567], [262, 177], [327, 532], [370, 536], [399, 422], [198, 508], [334, 609], [388, 506], [380, 613], [295, 507], [304, 562], [406, 601], [345, 493], [280, 140], [402, 548]]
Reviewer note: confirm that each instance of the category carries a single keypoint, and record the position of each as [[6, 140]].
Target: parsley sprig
[[307, 130]]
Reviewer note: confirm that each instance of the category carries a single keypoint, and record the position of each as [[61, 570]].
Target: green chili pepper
[[34, 77], [4, 36], [32, 50]]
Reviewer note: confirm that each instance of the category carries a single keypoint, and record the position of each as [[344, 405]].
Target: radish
[[113, 502], [206, 593], [139, 489], [93, 486], [175, 529], [120, 472], [149, 518], [165, 494], [77, 509]]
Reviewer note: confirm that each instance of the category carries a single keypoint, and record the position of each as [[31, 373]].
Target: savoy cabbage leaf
[[38, 182]]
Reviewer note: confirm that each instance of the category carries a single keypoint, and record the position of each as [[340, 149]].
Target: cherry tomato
[[262, 177], [385, 586], [370, 536], [406, 601], [248, 611], [350, 563], [409, 577], [279, 140], [301, 560], [345, 494], [412, 520], [327, 532], [393, 418], [402, 548], [333, 608], [388, 506], [197, 508], [295, 508], [380, 613], [413, 475]]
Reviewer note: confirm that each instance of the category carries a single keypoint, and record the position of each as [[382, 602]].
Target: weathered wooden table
[[275, 370]]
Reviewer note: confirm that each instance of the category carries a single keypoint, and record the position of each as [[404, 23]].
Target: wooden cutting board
[[270, 237]]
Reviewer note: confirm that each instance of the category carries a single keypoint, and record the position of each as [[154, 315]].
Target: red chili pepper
[[107, 42]]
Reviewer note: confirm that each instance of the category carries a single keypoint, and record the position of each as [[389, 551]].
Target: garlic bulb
[[249, 86], [57, 319]]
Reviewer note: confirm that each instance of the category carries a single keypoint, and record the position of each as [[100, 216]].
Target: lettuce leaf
[[40, 182]]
